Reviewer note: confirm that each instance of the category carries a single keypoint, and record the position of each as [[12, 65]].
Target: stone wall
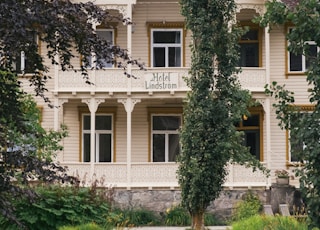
[[160, 200]]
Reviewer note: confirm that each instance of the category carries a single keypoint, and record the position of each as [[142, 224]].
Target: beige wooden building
[[126, 129]]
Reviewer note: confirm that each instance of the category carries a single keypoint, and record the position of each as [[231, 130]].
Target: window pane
[[250, 35], [252, 140], [86, 122], [249, 55], [158, 147], [166, 122], [159, 57], [252, 120], [103, 122], [295, 62], [166, 37], [108, 36], [86, 147], [174, 56], [174, 147], [311, 55], [105, 148]]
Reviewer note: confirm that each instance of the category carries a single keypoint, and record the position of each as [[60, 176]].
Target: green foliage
[[57, 206], [132, 217], [259, 222], [249, 206], [177, 216], [216, 102], [305, 17], [90, 226]]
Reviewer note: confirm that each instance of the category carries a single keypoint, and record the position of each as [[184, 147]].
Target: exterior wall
[[68, 90]]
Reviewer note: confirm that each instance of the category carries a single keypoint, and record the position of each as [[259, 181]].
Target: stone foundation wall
[[160, 200]]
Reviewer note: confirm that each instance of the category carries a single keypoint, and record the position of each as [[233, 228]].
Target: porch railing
[[155, 175], [151, 80]]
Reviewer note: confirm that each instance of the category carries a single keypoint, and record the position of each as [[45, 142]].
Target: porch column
[[267, 102], [57, 115], [129, 104], [93, 105], [129, 45]]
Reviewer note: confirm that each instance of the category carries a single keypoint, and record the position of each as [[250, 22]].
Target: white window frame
[[166, 46], [97, 136], [92, 63], [165, 132]]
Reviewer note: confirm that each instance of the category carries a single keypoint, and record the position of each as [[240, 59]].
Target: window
[[300, 63], [103, 135], [165, 137], [108, 35], [25, 62], [166, 47], [252, 128], [295, 145], [250, 48]]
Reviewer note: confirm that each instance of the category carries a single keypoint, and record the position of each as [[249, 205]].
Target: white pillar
[[129, 104], [93, 105], [129, 46], [267, 102]]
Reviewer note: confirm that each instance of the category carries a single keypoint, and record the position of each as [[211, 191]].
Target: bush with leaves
[[249, 206], [57, 206], [259, 222]]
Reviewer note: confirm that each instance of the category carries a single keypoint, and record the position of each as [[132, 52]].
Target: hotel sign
[[161, 81]]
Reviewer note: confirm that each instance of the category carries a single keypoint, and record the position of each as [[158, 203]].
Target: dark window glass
[[163, 37], [174, 56], [252, 140], [159, 147], [159, 59], [166, 122], [174, 147], [249, 55], [252, 120], [105, 148], [86, 147], [103, 122], [295, 62]]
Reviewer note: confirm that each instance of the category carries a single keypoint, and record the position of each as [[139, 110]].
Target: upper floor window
[[253, 135], [301, 63], [103, 138], [250, 53], [108, 35], [165, 137], [25, 61], [166, 47]]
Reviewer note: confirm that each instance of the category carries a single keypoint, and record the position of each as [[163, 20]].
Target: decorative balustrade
[[153, 175], [151, 80]]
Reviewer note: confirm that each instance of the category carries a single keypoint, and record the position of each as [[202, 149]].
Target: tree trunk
[[198, 221]]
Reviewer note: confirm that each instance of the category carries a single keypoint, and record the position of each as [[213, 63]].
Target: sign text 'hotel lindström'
[[161, 81]]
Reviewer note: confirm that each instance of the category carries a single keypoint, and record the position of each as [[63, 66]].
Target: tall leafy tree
[[304, 17], [66, 28], [214, 105]]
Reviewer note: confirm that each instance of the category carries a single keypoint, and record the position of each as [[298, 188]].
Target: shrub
[[250, 206], [90, 226], [58, 206], [259, 222], [131, 218], [177, 216]]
